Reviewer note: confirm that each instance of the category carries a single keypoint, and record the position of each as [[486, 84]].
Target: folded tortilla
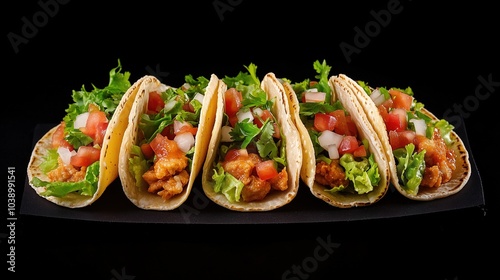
[[140, 196], [460, 175], [340, 199], [290, 136], [110, 150]]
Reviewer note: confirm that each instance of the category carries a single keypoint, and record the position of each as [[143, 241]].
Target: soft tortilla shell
[[141, 197], [459, 177], [108, 169], [308, 170], [293, 152]]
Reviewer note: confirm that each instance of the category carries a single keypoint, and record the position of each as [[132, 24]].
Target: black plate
[[113, 205]]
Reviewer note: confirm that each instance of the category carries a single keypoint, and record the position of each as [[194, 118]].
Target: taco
[[75, 161], [427, 159], [254, 158], [165, 143], [343, 162]]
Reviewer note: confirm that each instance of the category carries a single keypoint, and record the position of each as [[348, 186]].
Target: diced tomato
[[232, 101], [383, 111], [235, 153], [324, 122], [58, 138], [396, 120], [85, 156], [147, 151], [360, 151], [348, 145], [100, 133], [266, 170], [162, 146], [181, 127], [188, 107], [353, 129], [168, 131], [387, 104], [262, 117], [233, 120], [277, 133], [96, 125], [400, 99], [401, 138], [155, 102], [341, 126]]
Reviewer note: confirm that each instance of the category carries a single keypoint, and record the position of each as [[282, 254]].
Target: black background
[[440, 51]]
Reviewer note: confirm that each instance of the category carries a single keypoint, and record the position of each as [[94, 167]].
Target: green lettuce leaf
[[410, 167], [87, 187]]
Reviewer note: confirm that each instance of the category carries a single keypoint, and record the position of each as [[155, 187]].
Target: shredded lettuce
[[410, 167], [362, 173], [87, 186], [227, 184], [246, 133], [107, 99]]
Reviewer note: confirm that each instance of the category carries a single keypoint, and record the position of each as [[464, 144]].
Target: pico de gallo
[[72, 163], [251, 159], [161, 162], [420, 143], [344, 163]]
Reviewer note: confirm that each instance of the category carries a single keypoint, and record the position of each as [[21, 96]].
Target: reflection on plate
[[114, 206]]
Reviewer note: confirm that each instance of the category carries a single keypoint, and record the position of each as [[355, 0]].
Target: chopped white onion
[[185, 141], [314, 96], [81, 120], [225, 136], [198, 96], [377, 97], [257, 111], [185, 86], [420, 126], [242, 115], [65, 154], [178, 125], [333, 152], [330, 141], [169, 105]]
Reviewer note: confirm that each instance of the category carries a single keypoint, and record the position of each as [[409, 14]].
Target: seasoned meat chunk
[[439, 160], [241, 168], [257, 189], [167, 188], [66, 173], [332, 174], [280, 182]]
